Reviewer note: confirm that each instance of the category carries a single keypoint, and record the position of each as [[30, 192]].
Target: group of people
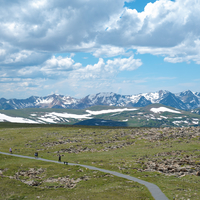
[[36, 155], [59, 156]]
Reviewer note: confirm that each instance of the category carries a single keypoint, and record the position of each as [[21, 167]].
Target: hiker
[[10, 150], [59, 158], [36, 154]]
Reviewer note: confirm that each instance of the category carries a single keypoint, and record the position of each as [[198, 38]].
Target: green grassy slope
[[125, 150]]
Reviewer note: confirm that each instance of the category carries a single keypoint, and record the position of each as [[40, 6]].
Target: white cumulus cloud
[[106, 69]]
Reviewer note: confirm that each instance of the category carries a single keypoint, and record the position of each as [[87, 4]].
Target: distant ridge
[[152, 115], [186, 100]]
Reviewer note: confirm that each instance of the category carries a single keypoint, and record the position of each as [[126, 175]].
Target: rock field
[[36, 177]]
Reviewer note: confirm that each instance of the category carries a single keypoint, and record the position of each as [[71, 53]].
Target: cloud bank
[[35, 34]]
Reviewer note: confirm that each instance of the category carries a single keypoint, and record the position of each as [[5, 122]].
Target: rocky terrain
[[188, 165], [178, 163], [36, 177]]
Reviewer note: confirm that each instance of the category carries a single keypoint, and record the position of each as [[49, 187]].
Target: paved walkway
[[154, 189]]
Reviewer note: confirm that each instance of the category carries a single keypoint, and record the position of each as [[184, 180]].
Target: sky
[[81, 47]]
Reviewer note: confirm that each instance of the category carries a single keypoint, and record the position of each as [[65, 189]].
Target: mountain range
[[186, 100]]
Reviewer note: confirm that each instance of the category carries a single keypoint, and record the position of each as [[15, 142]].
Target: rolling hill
[[153, 115]]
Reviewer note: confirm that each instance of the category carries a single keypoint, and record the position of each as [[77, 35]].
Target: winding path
[[154, 189]]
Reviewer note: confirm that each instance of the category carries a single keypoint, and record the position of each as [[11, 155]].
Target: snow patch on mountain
[[101, 95], [44, 101], [153, 97], [69, 100], [135, 98]]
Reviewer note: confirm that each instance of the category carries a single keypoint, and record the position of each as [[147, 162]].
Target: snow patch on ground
[[67, 115], [4, 117], [109, 111], [55, 117], [163, 109], [163, 117], [48, 120], [115, 114], [177, 117], [179, 122], [52, 117]]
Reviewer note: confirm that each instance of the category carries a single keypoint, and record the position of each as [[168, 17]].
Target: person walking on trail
[[36, 154], [10, 150], [59, 158]]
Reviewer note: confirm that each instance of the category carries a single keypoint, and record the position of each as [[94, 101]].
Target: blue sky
[[83, 47]]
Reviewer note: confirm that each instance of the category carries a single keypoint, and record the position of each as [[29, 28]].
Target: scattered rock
[[172, 166], [31, 177]]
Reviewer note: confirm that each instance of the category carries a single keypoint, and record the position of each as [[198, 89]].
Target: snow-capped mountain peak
[[184, 100]]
